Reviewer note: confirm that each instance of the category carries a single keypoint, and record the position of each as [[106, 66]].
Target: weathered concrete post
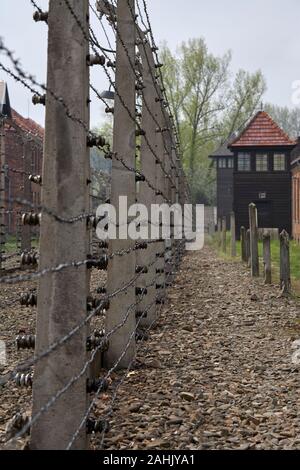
[[233, 235], [267, 258], [248, 251], [285, 268], [26, 229], [244, 245], [146, 194], [62, 296], [253, 240], [2, 189], [122, 269], [219, 231], [224, 233]]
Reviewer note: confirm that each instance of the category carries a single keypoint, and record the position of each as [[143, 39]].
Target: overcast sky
[[262, 34]]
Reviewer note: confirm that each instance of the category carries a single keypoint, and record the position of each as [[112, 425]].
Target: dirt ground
[[216, 372]]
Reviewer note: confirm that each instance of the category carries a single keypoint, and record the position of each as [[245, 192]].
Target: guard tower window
[[222, 163], [262, 162], [279, 162], [244, 162]]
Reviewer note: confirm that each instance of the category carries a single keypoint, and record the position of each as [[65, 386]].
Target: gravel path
[[217, 372]]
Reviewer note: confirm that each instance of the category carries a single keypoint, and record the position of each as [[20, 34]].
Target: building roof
[[262, 131], [27, 125], [5, 109], [222, 151]]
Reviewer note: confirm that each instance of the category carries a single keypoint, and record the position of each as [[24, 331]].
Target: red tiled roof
[[262, 131], [27, 125]]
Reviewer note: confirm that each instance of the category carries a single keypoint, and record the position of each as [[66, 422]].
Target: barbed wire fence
[[79, 282]]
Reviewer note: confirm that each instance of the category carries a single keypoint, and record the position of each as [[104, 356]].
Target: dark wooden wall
[[225, 193], [275, 210]]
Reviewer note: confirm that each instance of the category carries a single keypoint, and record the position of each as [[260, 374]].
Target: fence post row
[[253, 240], [146, 169], [62, 296], [285, 269]]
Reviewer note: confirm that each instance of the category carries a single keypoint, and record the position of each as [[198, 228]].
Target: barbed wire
[[24, 78]]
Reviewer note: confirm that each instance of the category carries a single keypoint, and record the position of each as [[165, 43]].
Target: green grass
[[11, 245], [275, 256]]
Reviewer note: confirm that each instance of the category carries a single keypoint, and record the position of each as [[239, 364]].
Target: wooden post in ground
[[233, 235], [224, 233], [253, 240], [2, 189], [26, 229], [243, 245], [248, 242], [285, 269], [62, 296], [122, 270], [267, 258], [219, 232]]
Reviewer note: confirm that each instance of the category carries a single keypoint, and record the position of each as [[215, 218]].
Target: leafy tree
[[207, 106], [287, 119]]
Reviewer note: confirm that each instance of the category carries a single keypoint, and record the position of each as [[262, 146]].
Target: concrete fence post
[[2, 189], [233, 235], [123, 184], [267, 258], [62, 296], [285, 269], [146, 195], [219, 231], [253, 240], [244, 244], [224, 234]]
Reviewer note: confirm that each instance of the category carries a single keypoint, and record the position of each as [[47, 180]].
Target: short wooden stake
[[233, 235], [224, 228], [253, 240], [248, 255], [267, 258], [243, 245], [219, 232], [285, 269]]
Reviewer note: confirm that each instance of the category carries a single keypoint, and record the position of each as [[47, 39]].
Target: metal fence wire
[[94, 301]]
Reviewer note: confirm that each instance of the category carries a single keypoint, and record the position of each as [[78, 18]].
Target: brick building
[[21, 156]]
